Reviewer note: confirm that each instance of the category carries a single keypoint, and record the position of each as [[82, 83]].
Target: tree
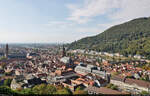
[[109, 85], [144, 93], [44, 89], [2, 58], [64, 91], [114, 87], [50, 89], [128, 38], [27, 91], [59, 87], [147, 78], [80, 90], [7, 90], [7, 73], [7, 82]]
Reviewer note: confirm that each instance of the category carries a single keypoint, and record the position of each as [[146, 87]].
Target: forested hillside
[[132, 37]]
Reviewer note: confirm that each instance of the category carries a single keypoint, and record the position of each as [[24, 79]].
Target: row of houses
[[94, 52], [104, 53], [104, 90], [130, 85]]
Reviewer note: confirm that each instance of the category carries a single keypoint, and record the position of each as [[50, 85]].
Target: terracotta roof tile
[[104, 90], [138, 82]]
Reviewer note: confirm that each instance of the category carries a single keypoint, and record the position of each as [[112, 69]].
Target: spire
[[64, 52], [6, 51]]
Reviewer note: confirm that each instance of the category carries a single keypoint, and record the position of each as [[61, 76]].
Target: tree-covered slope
[[132, 37]]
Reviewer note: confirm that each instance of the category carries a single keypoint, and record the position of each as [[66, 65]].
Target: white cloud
[[130, 9], [91, 8], [126, 10], [116, 11]]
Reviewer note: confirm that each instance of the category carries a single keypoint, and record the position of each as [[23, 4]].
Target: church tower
[[6, 51], [63, 52]]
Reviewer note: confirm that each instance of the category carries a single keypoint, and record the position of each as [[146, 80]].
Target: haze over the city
[[49, 21]]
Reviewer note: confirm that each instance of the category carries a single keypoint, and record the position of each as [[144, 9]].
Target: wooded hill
[[132, 37]]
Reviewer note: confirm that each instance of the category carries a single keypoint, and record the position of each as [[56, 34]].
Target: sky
[[64, 21]]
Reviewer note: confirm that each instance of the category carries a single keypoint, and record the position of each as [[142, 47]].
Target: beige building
[[130, 85], [103, 90]]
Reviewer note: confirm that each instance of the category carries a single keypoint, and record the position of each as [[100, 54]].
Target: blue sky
[[64, 21]]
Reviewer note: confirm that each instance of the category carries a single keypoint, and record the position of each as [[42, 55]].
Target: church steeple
[[64, 51], [6, 51]]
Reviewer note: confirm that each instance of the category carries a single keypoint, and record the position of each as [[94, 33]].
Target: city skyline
[[64, 21]]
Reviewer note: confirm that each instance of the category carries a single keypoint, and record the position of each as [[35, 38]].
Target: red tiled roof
[[119, 78], [138, 82], [139, 69], [104, 90]]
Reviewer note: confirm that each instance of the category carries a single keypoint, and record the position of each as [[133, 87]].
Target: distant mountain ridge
[[132, 37]]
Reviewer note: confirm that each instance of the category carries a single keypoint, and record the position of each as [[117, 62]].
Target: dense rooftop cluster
[[74, 68]]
